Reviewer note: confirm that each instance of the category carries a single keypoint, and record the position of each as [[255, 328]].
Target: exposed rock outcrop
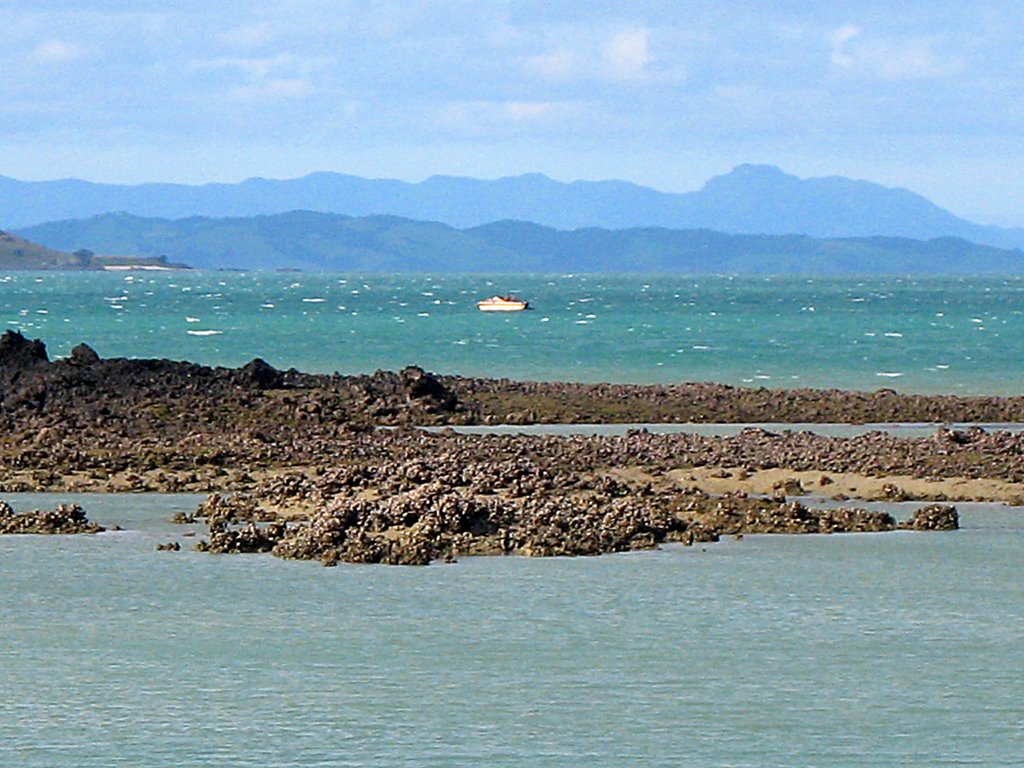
[[445, 504], [65, 519], [934, 517], [18, 353]]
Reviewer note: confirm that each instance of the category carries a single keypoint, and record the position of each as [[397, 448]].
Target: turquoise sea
[[902, 649], [940, 335]]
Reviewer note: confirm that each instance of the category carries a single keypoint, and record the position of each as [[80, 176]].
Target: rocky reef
[[86, 423], [442, 505], [65, 519], [329, 467]]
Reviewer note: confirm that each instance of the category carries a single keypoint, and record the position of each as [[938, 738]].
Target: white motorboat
[[502, 304]]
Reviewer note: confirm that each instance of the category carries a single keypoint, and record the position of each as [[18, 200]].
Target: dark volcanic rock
[[259, 374], [18, 353], [425, 387], [83, 354]]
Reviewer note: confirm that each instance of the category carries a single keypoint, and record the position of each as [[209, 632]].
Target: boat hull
[[501, 307], [502, 304]]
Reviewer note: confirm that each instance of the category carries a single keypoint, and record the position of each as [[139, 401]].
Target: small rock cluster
[[934, 517], [65, 519]]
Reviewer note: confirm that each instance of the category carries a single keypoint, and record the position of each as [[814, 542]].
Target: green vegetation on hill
[[331, 242], [18, 253]]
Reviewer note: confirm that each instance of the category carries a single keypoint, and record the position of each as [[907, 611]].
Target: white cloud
[[254, 66], [487, 117], [273, 89], [559, 64], [262, 80], [913, 58], [593, 54], [57, 52], [249, 36], [626, 55], [840, 56]]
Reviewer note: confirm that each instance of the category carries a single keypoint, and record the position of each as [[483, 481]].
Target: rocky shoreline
[[329, 468]]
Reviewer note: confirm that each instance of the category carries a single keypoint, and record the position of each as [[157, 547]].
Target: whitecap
[[545, 319], [888, 374], [314, 301], [699, 346], [423, 314], [204, 333], [894, 335], [942, 367], [267, 306], [191, 319]]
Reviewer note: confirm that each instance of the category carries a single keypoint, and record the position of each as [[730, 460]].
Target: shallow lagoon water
[[901, 649]]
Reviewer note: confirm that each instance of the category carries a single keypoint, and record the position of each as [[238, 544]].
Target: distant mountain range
[[331, 242], [751, 199]]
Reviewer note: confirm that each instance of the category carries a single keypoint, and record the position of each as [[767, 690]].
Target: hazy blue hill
[[751, 199], [330, 242], [19, 253], [764, 200]]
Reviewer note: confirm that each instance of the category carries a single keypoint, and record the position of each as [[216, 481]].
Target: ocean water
[[902, 649], [961, 335]]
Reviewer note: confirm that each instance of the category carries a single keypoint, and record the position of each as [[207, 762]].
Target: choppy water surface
[[957, 335], [899, 649]]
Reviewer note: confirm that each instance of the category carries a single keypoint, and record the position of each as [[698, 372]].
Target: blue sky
[[667, 94]]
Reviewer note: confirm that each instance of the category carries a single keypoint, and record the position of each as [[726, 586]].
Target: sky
[[922, 95]]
